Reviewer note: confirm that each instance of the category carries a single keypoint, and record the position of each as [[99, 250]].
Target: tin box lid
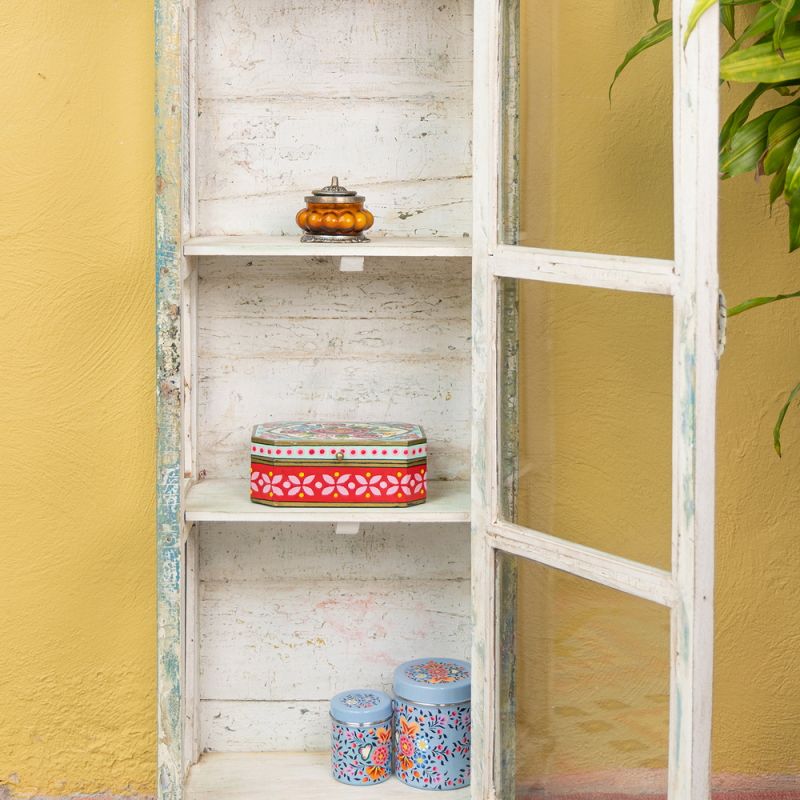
[[361, 706], [433, 681], [295, 432]]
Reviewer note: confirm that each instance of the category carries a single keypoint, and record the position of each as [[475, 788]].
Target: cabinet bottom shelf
[[286, 776]]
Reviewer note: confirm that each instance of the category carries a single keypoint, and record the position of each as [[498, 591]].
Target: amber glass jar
[[334, 214]]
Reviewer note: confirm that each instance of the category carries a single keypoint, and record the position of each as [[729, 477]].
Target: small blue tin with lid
[[361, 737], [432, 723]]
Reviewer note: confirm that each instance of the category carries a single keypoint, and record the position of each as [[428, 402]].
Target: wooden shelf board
[[395, 246], [284, 776], [228, 500]]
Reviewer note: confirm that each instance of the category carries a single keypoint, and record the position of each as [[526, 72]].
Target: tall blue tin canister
[[432, 723], [361, 737]]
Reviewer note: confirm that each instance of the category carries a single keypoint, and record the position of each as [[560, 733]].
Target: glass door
[[595, 347]]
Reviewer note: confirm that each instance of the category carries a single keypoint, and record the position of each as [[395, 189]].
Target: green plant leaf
[[761, 64], [656, 34], [792, 184], [656, 5], [739, 115], [794, 222], [727, 15], [782, 135], [782, 10], [776, 433], [747, 146], [755, 302], [777, 183], [700, 8]]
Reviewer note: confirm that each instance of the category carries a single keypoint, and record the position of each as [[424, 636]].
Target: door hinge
[[722, 322]]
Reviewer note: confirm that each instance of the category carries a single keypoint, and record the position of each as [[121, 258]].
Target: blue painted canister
[[361, 737], [432, 723]]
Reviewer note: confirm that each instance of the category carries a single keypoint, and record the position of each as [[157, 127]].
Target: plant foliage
[[765, 53]]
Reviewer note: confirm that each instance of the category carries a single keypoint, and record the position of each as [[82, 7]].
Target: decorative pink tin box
[[363, 464]]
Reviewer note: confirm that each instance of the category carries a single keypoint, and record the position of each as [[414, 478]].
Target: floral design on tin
[[360, 755], [361, 700], [437, 672], [335, 431], [432, 746]]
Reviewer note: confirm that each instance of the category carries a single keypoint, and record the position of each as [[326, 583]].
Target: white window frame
[[691, 279]]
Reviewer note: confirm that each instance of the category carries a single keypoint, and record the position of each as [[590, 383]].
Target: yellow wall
[[594, 454], [77, 632], [77, 661]]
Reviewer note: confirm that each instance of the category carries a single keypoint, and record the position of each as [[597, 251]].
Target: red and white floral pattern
[[326, 485]]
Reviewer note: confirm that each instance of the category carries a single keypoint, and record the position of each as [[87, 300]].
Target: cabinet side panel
[[169, 23]]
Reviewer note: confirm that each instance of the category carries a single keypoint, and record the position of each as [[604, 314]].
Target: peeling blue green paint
[[168, 110]]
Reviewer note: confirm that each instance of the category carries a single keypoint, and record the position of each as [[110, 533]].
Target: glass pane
[[582, 172], [586, 405], [585, 674]]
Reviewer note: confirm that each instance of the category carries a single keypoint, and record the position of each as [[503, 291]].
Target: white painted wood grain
[[650, 275], [283, 776], [232, 726], [696, 202], [377, 246], [285, 99], [294, 338], [285, 640], [284, 551]]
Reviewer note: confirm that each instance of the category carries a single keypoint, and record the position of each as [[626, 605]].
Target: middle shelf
[[228, 500]]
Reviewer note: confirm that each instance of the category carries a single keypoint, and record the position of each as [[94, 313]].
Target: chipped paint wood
[[695, 121], [280, 95], [287, 640], [486, 112], [288, 338], [170, 119], [249, 726], [651, 275]]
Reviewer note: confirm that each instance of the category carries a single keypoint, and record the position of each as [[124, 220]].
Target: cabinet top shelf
[[382, 246]]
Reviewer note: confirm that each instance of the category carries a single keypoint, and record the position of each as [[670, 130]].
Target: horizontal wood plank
[[228, 500], [628, 576], [284, 640], [290, 245], [624, 273], [274, 551]]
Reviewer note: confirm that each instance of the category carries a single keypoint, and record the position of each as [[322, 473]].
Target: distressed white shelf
[[378, 246], [283, 776], [228, 500]]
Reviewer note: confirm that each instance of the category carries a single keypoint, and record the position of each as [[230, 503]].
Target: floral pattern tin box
[[330, 464]]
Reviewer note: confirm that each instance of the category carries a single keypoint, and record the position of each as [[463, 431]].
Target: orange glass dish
[[334, 214]]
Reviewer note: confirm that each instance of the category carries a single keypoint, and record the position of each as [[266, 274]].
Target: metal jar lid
[[361, 707], [333, 194], [433, 681]]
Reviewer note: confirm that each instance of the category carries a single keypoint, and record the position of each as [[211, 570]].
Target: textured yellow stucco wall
[[77, 631], [595, 380]]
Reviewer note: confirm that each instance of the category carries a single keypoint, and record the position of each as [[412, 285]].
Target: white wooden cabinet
[[264, 613]]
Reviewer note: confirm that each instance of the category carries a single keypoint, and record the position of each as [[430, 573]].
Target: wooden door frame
[[691, 279]]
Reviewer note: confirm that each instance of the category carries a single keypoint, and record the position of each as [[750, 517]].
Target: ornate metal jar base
[[321, 239]]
